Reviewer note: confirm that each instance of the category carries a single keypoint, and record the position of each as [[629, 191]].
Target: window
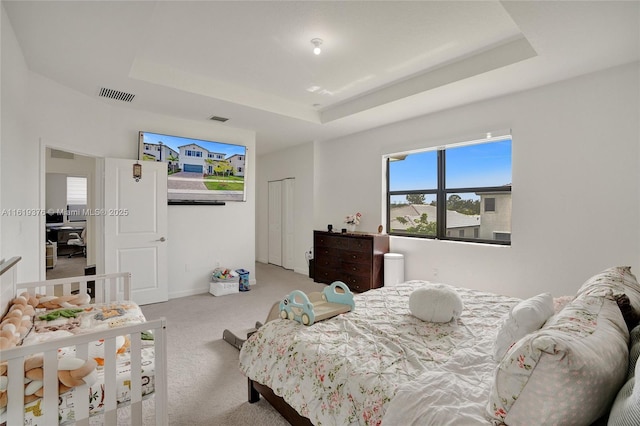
[[461, 192], [76, 198]]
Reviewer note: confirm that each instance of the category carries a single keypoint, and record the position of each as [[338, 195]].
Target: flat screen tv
[[199, 171]]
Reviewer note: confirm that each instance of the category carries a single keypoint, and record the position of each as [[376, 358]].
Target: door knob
[[162, 239]]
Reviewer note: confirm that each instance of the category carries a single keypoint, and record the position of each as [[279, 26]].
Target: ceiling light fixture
[[316, 43]]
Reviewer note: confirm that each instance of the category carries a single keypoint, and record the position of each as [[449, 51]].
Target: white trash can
[[393, 269]]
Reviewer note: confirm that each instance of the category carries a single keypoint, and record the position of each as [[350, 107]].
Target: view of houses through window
[[461, 192]]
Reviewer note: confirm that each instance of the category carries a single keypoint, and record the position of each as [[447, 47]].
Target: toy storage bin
[[244, 279], [222, 288]]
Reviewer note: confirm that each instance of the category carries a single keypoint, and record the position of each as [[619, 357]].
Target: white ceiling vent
[[116, 94], [220, 119]]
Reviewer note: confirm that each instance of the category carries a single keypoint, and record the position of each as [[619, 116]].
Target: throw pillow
[[435, 303], [618, 280], [524, 318], [572, 368]]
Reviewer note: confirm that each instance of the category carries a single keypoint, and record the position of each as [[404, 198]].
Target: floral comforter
[[348, 369]]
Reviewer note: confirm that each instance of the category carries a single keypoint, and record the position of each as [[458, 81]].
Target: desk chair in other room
[[78, 241]]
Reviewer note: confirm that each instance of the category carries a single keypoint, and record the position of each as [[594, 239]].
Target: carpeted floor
[[67, 267], [205, 385]]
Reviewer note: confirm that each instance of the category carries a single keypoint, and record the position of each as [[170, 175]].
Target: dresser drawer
[[356, 257], [327, 275], [327, 260], [331, 241], [357, 283], [361, 244], [359, 269]]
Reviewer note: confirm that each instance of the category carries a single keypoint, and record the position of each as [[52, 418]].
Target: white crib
[[108, 288]]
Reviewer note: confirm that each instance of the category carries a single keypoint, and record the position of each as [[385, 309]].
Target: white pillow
[[568, 372], [435, 303], [524, 318]]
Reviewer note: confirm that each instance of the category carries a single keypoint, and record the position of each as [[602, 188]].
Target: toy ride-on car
[[335, 299]]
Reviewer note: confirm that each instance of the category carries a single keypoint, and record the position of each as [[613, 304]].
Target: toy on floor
[[335, 299], [330, 297]]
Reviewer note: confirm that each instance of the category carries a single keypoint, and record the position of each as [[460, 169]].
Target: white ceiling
[[381, 61]]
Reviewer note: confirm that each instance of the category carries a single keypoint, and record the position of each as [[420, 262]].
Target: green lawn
[[226, 185], [235, 178]]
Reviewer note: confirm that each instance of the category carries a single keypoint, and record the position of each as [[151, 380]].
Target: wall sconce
[[137, 171]]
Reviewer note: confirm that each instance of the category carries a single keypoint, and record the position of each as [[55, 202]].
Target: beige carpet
[[205, 385], [67, 267]]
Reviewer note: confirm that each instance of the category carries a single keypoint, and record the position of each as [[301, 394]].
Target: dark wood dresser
[[354, 258]]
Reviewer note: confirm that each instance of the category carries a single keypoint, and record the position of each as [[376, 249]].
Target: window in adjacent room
[[459, 192], [76, 198]]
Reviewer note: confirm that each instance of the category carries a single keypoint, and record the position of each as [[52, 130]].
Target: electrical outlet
[[217, 263], [435, 272]]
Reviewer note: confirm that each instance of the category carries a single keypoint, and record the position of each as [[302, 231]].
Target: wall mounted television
[[199, 171]]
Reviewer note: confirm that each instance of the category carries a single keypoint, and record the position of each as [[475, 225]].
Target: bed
[[501, 361], [71, 357]]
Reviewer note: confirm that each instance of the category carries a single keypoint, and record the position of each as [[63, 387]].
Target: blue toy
[[335, 299]]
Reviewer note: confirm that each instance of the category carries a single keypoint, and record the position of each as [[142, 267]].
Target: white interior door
[[275, 223], [135, 227], [287, 223]]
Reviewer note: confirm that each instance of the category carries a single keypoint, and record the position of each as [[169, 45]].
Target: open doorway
[[69, 201]]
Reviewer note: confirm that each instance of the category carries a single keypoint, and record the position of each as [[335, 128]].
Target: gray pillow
[[626, 407]]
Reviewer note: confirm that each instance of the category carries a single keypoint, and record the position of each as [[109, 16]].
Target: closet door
[[287, 223], [275, 223]]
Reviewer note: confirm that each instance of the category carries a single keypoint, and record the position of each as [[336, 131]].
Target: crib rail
[[15, 358], [108, 287]]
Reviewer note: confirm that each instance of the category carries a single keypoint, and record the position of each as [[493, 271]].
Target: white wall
[[17, 235], [576, 180], [59, 117], [296, 162], [576, 185]]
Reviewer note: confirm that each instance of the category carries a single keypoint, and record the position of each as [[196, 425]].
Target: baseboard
[[194, 291], [191, 292], [302, 271]]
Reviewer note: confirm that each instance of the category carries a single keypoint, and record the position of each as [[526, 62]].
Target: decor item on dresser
[[70, 358], [352, 221], [355, 259], [380, 364]]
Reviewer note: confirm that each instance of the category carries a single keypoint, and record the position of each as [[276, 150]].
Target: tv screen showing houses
[[198, 170]]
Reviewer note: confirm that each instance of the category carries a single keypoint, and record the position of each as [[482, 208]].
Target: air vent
[[116, 94], [220, 119]]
